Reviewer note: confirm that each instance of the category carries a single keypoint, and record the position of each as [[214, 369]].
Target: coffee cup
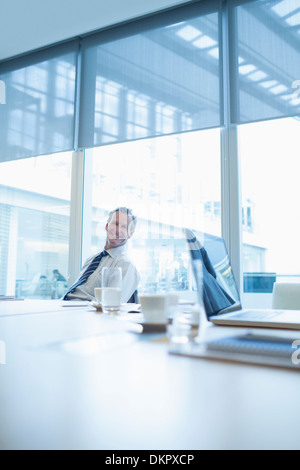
[[154, 307]]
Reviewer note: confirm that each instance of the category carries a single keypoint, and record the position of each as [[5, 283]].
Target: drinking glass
[[111, 290], [98, 294], [187, 320]]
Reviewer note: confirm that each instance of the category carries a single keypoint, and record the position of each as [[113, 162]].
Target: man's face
[[118, 229]]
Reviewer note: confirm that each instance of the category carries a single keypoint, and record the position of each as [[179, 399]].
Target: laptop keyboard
[[252, 315]]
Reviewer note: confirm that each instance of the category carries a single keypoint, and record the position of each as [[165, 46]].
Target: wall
[[31, 24]]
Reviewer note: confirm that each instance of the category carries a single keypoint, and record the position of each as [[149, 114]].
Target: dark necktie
[[89, 270]]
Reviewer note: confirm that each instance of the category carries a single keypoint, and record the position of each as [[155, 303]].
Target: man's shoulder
[[125, 257]]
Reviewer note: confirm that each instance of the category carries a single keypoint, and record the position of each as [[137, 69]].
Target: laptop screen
[[216, 277]]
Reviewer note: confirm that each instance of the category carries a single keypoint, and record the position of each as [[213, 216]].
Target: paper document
[[9, 297], [75, 303]]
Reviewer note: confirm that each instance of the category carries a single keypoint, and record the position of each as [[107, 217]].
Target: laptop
[[214, 278]]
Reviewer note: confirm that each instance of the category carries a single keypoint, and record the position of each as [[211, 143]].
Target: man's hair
[[128, 212]]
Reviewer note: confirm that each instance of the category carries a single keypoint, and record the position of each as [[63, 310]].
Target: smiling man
[[119, 228]]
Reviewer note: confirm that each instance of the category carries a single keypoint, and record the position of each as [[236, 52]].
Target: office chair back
[[134, 299], [286, 296]]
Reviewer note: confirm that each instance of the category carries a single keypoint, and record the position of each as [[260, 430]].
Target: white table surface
[[75, 379]]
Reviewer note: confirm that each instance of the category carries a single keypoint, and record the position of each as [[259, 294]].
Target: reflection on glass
[[34, 226]]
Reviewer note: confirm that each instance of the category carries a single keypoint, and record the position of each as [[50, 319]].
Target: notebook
[[211, 263], [251, 348]]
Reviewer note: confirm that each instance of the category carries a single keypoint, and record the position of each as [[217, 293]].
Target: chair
[[134, 299], [286, 296]]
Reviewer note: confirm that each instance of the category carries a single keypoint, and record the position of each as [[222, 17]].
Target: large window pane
[[271, 192], [34, 225], [170, 183]]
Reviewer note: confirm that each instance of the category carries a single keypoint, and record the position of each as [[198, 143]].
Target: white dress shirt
[[117, 257]]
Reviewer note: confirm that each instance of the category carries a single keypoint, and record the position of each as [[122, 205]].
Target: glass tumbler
[[111, 290]]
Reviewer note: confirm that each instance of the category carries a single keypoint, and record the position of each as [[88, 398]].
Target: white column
[[231, 195], [87, 209], [231, 200], [12, 252], [75, 236]]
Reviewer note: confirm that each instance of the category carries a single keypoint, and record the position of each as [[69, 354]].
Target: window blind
[[265, 67], [38, 115], [154, 77]]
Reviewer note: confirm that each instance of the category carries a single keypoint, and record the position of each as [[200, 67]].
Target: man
[[120, 227], [57, 276], [59, 284]]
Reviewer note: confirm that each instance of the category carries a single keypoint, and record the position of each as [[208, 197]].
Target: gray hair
[[128, 212]]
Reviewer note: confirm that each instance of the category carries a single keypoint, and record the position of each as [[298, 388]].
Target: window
[[150, 108], [266, 59], [146, 102], [34, 225], [170, 182], [270, 166], [38, 116], [154, 77]]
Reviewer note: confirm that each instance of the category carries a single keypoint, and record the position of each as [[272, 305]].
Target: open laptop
[[214, 277]]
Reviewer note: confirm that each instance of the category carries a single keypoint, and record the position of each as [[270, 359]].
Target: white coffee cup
[[154, 307]]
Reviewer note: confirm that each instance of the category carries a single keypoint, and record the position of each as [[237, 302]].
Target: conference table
[[73, 378]]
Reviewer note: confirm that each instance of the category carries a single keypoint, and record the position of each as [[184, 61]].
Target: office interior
[[188, 113]]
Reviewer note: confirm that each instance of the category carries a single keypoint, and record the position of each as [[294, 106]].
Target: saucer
[[131, 308], [149, 327]]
